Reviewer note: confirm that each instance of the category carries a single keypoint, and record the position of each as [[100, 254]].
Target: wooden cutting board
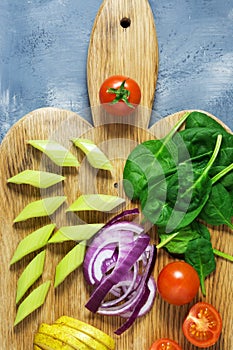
[[132, 51]]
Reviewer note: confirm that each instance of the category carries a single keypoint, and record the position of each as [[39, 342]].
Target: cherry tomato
[[120, 95], [203, 325], [165, 344], [178, 283]]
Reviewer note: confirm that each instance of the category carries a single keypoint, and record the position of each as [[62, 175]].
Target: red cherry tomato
[[178, 283], [203, 325], [120, 95], [165, 344]]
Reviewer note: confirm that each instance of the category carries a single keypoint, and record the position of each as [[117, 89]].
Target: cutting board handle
[[123, 41]]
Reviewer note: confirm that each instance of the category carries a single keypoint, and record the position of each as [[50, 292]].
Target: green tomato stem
[[122, 94]]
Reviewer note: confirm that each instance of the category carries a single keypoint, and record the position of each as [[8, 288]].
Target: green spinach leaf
[[200, 119], [200, 143], [177, 242], [218, 208], [200, 255], [150, 158], [177, 200]]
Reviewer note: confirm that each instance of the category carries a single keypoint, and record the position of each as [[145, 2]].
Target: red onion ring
[[119, 262]]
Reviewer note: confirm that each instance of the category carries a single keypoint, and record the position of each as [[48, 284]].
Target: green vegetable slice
[[40, 179], [32, 242], [70, 262], [56, 152], [95, 156], [99, 202], [75, 233], [32, 302], [42, 207], [31, 273]]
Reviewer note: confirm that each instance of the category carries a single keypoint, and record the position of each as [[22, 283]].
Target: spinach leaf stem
[[222, 173], [223, 255]]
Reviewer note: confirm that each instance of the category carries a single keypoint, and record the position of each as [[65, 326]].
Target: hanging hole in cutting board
[[125, 22]]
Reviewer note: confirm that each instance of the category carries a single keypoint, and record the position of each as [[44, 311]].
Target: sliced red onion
[[105, 239], [127, 308], [143, 294], [128, 255], [119, 261], [123, 215], [149, 303], [134, 315]]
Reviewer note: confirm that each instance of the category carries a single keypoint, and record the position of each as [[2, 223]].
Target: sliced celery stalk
[[40, 179], [70, 262], [34, 300], [56, 152], [32, 242], [30, 274], [42, 207], [99, 202], [95, 156], [75, 233]]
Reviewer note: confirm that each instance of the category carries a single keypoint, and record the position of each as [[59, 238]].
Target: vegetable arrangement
[[39, 239], [184, 177], [126, 245]]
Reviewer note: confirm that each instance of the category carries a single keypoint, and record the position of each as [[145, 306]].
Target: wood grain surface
[[116, 139]]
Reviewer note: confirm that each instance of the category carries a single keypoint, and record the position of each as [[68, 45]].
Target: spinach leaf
[[226, 180], [200, 255], [200, 119], [200, 143], [218, 208], [177, 242], [150, 158], [144, 162], [186, 194]]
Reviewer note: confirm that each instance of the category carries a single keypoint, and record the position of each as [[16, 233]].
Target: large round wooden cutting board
[[116, 138]]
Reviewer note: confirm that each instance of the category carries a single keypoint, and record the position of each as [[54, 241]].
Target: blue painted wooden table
[[43, 52]]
